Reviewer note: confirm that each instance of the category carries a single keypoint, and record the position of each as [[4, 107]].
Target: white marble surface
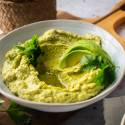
[[86, 8]]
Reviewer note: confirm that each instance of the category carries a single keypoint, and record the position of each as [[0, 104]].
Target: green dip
[[68, 68]]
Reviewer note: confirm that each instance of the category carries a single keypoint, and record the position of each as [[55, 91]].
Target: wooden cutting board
[[112, 22]]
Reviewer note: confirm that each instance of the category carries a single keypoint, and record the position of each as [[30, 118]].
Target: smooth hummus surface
[[67, 68]]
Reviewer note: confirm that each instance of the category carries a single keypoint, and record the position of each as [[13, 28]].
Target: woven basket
[[16, 14]]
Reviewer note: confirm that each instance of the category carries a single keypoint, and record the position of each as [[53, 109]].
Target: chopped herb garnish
[[19, 114], [30, 49]]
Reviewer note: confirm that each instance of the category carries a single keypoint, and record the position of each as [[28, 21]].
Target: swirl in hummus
[[58, 67]]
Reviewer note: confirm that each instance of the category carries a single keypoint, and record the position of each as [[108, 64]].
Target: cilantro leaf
[[87, 59], [19, 114], [30, 49], [106, 75]]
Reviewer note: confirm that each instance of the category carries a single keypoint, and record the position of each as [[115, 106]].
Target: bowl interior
[[108, 42]]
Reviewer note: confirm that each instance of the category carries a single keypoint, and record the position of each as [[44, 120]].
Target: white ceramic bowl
[[110, 44], [123, 120]]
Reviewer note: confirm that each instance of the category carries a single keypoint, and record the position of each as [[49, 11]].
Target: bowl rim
[[123, 120], [92, 100]]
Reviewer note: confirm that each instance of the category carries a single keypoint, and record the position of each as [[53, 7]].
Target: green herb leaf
[[87, 59], [20, 47], [30, 49], [19, 114]]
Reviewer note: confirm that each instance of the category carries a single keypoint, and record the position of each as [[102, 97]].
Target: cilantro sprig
[[19, 114], [94, 62], [31, 49]]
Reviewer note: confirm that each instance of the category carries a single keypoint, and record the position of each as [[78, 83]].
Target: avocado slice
[[83, 47], [95, 49], [72, 58], [79, 45]]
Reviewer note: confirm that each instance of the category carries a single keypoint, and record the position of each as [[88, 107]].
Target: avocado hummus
[[58, 67]]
